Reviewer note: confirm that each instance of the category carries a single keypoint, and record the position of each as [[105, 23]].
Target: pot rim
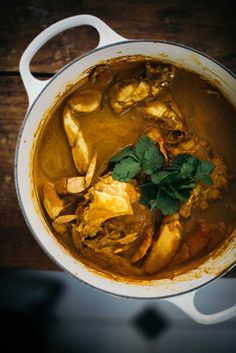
[[16, 176]]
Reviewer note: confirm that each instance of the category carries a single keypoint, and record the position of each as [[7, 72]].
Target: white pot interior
[[178, 55]]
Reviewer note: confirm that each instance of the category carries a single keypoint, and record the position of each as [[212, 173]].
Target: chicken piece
[[159, 76], [60, 229], [154, 132], [65, 219], [165, 111], [136, 222], [51, 201], [166, 246], [125, 95], [108, 198], [80, 150], [125, 234], [193, 144], [195, 242], [122, 249], [55, 205], [91, 170], [110, 244], [85, 101], [102, 74], [81, 154], [159, 110], [71, 126], [76, 185], [73, 185], [145, 245], [204, 237], [76, 238], [82, 204], [130, 234]]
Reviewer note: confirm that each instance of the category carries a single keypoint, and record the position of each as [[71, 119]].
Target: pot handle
[[186, 303], [34, 86]]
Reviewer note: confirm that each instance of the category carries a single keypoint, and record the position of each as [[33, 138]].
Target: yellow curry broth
[[206, 112]]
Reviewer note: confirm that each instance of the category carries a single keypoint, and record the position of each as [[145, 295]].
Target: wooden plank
[[18, 249], [205, 25]]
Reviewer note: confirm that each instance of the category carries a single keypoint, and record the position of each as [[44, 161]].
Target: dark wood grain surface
[[208, 26]]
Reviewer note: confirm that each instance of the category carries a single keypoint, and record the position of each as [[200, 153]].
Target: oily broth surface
[[103, 129], [212, 117], [207, 114]]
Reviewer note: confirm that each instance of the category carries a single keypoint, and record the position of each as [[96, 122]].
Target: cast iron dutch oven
[[179, 290]]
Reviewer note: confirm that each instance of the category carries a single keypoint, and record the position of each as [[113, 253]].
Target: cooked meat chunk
[[128, 234], [196, 240], [202, 236], [159, 110], [166, 246], [51, 201], [65, 219], [85, 101], [145, 244], [80, 149], [154, 132], [125, 95], [159, 76], [108, 198], [78, 184], [192, 144], [61, 229], [102, 74]]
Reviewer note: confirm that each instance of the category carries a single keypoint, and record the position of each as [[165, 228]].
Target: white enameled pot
[[179, 290]]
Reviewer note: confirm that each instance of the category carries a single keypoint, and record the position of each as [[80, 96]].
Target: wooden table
[[208, 26]]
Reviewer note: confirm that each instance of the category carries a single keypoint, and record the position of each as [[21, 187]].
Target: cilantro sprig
[[144, 155], [167, 186]]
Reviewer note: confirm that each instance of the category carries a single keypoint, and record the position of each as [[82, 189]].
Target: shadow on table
[[51, 312], [26, 311]]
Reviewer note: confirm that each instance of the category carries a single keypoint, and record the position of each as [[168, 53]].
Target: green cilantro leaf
[[164, 176], [180, 159], [206, 179], [166, 204], [152, 160], [189, 186], [178, 194], [143, 144], [148, 193], [126, 169], [126, 152], [160, 176], [204, 170], [165, 188], [206, 167], [188, 169]]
